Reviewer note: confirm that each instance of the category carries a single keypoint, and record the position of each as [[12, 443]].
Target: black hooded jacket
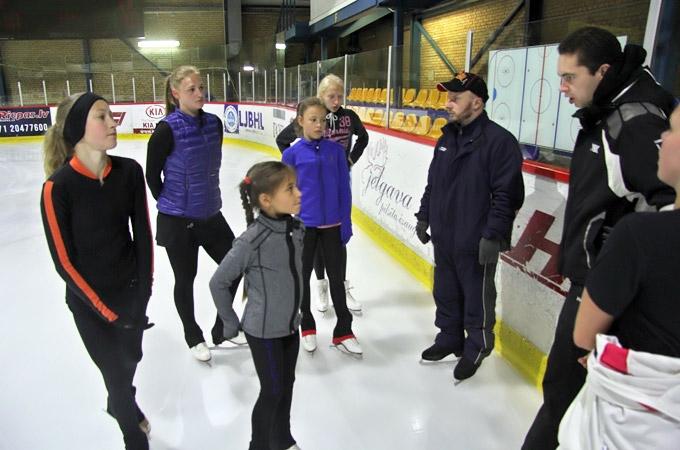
[[614, 165]]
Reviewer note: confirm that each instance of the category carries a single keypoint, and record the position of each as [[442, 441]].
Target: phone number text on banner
[[24, 121]]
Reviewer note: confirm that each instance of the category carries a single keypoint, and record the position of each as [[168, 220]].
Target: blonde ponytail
[[55, 149]]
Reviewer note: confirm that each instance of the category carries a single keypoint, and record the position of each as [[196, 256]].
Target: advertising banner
[[387, 184], [145, 117], [30, 121]]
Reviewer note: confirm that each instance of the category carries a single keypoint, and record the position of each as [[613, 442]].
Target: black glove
[[489, 251], [126, 322], [421, 231]]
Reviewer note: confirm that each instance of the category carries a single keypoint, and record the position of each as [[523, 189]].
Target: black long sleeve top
[[87, 226]]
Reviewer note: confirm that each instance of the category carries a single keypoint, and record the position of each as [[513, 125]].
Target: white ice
[[52, 397]]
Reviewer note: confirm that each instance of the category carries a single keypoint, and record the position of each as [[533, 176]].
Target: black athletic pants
[[563, 378], [182, 238], [116, 352], [329, 240], [275, 361], [465, 298], [320, 267]]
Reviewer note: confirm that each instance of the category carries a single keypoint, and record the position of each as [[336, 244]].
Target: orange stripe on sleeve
[[66, 262]]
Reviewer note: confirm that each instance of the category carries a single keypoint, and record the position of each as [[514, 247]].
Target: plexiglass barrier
[[389, 87]]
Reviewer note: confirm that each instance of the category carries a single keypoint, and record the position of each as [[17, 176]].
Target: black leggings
[[329, 240], [320, 267], [116, 352], [182, 239], [275, 361]]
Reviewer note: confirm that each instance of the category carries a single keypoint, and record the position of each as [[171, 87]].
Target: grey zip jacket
[[269, 253]]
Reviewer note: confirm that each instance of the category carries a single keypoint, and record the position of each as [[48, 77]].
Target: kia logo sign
[[155, 111]]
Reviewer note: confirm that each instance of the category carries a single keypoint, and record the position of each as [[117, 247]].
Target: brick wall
[[449, 30], [621, 17]]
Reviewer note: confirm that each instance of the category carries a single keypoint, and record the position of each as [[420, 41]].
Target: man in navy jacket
[[474, 190]]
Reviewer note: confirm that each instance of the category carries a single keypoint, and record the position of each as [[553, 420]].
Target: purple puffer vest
[[191, 185]]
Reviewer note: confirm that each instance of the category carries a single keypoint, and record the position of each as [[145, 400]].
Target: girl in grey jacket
[[269, 254]]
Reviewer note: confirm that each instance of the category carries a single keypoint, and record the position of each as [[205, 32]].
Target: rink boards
[[387, 184]]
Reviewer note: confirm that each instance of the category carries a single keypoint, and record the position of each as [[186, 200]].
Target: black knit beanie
[[76, 119]]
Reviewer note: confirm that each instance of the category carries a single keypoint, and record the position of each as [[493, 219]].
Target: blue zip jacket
[[474, 186], [323, 180]]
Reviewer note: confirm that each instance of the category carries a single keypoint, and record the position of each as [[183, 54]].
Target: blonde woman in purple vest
[[186, 148]]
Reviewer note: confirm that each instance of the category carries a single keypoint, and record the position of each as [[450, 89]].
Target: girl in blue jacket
[[323, 179]]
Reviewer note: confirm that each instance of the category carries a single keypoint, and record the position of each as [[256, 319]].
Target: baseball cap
[[466, 81]]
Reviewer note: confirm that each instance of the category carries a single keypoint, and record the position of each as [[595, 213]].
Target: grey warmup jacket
[[269, 253]]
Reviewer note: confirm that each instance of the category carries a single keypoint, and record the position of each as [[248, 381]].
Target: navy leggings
[[275, 361]]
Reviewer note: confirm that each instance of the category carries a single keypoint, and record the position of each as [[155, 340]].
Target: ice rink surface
[[52, 397]]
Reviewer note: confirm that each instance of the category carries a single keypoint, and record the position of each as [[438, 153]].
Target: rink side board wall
[[387, 183]]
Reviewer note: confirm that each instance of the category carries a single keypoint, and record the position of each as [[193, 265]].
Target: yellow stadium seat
[[420, 99], [432, 99], [443, 98], [408, 96], [369, 96], [380, 96], [409, 123], [397, 121], [423, 126], [436, 130], [361, 95]]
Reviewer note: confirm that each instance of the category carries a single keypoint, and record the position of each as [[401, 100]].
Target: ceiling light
[[248, 68], [158, 44], [280, 46]]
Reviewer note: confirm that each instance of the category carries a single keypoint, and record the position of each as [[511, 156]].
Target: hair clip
[[247, 180]]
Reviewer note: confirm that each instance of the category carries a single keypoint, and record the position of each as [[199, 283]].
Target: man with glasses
[[623, 112]]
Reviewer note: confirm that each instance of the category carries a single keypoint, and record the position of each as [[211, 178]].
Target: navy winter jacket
[[474, 186], [191, 184], [323, 180]]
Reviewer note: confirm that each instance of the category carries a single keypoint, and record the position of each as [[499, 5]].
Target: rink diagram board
[[525, 98]]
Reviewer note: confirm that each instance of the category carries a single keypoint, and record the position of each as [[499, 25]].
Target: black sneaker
[[437, 352], [464, 369]]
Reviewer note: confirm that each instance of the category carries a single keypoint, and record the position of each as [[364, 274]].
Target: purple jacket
[[191, 185], [323, 179]]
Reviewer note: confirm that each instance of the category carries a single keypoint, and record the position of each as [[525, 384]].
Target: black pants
[[116, 352], [275, 361], [465, 296], [563, 379], [182, 238], [328, 239], [320, 267]]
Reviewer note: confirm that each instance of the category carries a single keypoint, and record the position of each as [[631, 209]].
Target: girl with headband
[[88, 203]]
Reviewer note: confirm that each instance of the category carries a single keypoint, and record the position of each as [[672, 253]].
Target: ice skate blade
[[447, 359], [356, 312], [342, 349], [457, 382]]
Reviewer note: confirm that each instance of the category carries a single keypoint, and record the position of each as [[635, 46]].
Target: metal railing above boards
[[516, 59]]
